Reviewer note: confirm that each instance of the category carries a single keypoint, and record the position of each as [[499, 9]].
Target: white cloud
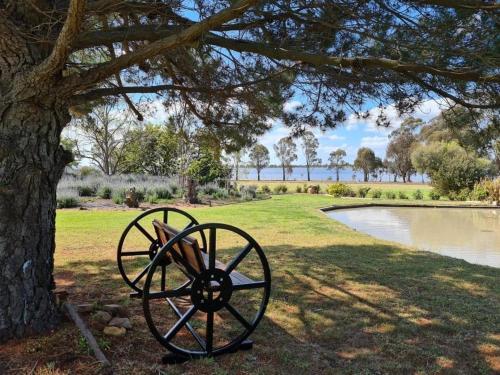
[[426, 111], [335, 137], [376, 142]]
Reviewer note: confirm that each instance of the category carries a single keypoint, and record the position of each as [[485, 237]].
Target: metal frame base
[[174, 359]]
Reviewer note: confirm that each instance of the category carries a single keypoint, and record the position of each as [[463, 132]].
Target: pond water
[[472, 234]]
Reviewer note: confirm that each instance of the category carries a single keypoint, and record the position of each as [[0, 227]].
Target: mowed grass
[[342, 302]]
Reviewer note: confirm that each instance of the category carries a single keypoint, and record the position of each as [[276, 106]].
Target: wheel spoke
[[165, 216], [141, 275], [201, 341], [144, 232], [238, 316], [134, 253], [169, 294], [180, 323], [209, 338], [254, 285], [212, 244], [241, 255]]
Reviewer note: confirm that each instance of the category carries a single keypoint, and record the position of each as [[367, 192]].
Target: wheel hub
[[211, 290]]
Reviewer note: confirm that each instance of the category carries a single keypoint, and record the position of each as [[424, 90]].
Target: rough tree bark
[[31, 164], [32, 117]]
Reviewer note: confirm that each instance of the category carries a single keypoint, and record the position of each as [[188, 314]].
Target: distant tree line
[[455, 149]]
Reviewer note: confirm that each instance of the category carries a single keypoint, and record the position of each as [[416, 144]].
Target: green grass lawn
[[342, 302]]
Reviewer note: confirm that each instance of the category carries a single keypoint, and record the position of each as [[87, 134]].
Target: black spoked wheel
[[139, 244], [214, 310]]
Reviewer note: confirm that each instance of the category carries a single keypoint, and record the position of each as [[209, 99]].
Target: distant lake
[[317, 174]]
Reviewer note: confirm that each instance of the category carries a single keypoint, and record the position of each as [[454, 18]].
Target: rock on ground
[[120, 322], [114, 331], [102, 317]]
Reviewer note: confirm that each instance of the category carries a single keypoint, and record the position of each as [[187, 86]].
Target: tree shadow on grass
[[350, 309]]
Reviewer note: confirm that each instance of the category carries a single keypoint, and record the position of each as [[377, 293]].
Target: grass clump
[[340, 190], [418, 195], [376, 194], [265, 189], [363, 191], [402, 195], [434, 195], [390, 194], [86, 191], [67, 202], [280, 189], [105, 192]]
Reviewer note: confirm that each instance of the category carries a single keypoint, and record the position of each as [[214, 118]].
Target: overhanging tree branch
[[62, 46], [185, 37], [150, 33], [347, 62], [464, 4]]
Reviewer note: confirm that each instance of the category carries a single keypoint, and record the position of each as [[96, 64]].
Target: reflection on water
[[467, 233]]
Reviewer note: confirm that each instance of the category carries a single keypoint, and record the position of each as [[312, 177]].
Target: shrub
[[118, 196], [163, 193], [249, 191], [479, 193], [105, 192], [418, 195], [376, 194], [313, 189], [363, 192], [86, 191], [493, 189], [462, 195], [265, 189], [220, 194], [434, 195], [450, 167], [152, 198], [174, 188], [390, 194], [340, 190], [67, 202], [140, 194], [402, 195], [298, 189], [280, 188]]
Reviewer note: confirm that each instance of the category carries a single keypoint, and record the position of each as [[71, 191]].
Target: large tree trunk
[[308, 174], [337, 170], [283, 167], [31, 164], [365, 176]]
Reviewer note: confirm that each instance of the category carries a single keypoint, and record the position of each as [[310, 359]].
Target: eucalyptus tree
[[310, 146], [367, 162], [259, 157], [230, 63], [101, 135], [399, 149], [286, 152], [337, 162]]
